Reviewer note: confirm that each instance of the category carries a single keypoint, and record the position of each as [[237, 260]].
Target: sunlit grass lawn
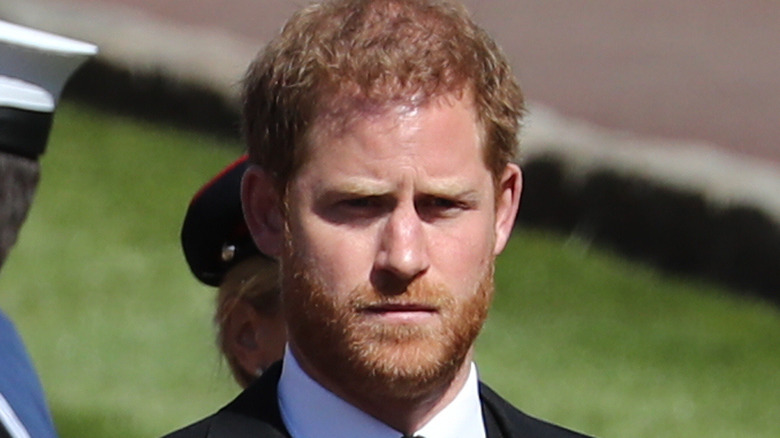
[[122, 337]]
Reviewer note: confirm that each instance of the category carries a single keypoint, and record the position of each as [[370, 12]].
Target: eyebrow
[[356, 186], [448, 188], [451, 188]]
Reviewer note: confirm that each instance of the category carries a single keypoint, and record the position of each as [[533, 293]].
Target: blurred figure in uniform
[[220, 252], [34, 67]]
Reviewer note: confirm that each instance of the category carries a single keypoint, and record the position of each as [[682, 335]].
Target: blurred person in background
[[34, 67], [23, 410], [220, 252]]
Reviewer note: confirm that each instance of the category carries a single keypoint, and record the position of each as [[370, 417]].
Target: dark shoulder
[[514, 423], [195, 430], [254, 413]]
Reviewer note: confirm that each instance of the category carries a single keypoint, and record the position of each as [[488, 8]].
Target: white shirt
[[311, 411]]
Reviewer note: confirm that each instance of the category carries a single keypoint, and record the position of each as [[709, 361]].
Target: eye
[[361, 207], [352, 208], [361, 202], [437, 207], [443, 203]]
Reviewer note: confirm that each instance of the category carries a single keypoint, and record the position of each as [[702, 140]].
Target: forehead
[[440, 139], [452, 117]]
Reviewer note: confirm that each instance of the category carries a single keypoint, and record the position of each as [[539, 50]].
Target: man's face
[[391, 236]]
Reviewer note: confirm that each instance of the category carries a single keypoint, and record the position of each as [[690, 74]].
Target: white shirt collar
[[311, 411]]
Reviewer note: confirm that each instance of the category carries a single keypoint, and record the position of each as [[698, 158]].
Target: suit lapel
[[492, 429], [254, 413], [502, 420], [232, 425]]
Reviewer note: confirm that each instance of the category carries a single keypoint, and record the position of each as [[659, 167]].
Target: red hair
[[336, 57]]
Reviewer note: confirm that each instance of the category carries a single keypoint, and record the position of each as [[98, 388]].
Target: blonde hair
[[255, 280]]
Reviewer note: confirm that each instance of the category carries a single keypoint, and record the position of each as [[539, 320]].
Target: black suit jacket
[[255, 413]]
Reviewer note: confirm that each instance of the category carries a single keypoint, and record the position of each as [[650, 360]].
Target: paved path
[[687, 69]]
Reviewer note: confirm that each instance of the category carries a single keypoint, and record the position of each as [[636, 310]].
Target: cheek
[[343, 257], [463, 254]]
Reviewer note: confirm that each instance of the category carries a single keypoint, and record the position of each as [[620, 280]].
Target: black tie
[[411, 436]]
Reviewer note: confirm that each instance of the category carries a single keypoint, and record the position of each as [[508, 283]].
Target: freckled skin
[[399, 158], [397, 208]]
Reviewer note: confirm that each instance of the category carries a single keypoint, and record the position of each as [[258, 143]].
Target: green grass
[[583, 338], [122, 337], [118, 327]]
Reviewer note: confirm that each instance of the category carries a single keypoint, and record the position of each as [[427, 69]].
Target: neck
[[406, 415]]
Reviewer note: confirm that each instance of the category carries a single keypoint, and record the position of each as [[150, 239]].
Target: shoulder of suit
[[515, 423], [252, 413], [194, 430]]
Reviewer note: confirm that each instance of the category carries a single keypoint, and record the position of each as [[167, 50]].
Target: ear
[[507, 204], [241, 336], [262, 210], [254, 339]]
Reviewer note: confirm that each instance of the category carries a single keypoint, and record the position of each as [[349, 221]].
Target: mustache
[[421, 293]]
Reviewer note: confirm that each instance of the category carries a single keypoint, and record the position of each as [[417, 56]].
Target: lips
[[400, 307], [404, 313]]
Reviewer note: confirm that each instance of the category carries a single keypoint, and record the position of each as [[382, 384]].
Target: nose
[[403, 250]]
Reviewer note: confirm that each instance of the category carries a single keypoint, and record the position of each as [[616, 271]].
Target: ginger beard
[[365, 357]]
